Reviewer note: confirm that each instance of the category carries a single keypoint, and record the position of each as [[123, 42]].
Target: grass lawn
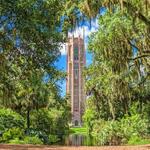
[[139, 141], [78, 130]]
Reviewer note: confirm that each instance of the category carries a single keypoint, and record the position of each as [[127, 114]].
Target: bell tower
[[75, 81]]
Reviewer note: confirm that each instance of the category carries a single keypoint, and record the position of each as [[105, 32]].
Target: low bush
[[47, 126], [11, 134], [50, 122], [37, 133], [27, 140], [110, 134], [134, 125], [16, 141], [10, 119], [53, 138], [121, 131], [136, 140], [42, 120], [32, 140]]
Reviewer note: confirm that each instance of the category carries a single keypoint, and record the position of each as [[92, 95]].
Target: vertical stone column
[[75, 83]]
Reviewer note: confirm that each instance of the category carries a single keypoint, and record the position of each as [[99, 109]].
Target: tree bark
[[28, 118]]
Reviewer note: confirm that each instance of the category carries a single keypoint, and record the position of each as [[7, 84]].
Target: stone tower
[[75, 81]]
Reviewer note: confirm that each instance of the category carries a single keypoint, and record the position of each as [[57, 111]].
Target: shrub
[[110, 134], [42, 121], [136, 140], [50, 121], [53, 138], [27, 140], [89, 117], [32, 140], [16, 141], [10, 119], [17, 136], [122, 131], [134, 125], [42, 135], [11, 134]]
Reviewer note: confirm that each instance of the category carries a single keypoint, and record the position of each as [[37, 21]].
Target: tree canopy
[[117, 81]]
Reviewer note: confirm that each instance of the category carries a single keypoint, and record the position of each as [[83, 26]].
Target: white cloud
[[83, 31], [63, 49]]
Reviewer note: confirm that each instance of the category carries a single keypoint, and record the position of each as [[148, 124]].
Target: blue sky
[[61, 64]]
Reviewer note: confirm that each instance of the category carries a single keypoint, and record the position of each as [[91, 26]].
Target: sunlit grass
[[78, 130], [138, 141]]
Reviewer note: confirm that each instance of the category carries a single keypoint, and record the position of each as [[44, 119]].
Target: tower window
[[76, 65], [76, 74], [69, 51], [76, 53], [76, 70], [76, 123]]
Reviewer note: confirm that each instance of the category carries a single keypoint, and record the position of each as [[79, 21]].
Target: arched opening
[[76, 123]]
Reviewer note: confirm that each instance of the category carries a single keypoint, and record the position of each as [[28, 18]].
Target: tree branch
[[133, 9], [147, 51], [140, 56]]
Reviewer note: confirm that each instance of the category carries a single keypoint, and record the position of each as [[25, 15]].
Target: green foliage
[[47, 126], [53, 138], [134, 125], [29, 45], [88, 118], [10, 119], [11, 134], [17, 141], [136, 140], [118, 77], [32, 140], [78, 130], [61, 121], [109, 134], [121, 131], [26, 140], [50, 122], [42, 120], [17, 136]]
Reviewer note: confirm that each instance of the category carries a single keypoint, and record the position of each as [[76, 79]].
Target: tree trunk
[[112, 111], [125, 106], [28, 118]]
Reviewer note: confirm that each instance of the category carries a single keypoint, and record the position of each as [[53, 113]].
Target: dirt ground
[[31, 147]]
